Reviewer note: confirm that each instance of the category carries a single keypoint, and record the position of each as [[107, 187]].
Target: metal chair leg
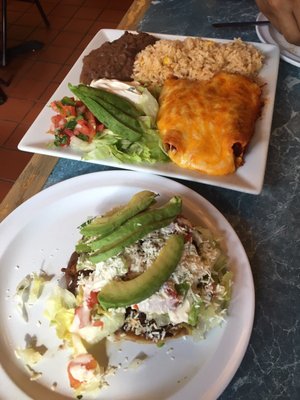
[[32, 45], [40, 8], [4, 32]]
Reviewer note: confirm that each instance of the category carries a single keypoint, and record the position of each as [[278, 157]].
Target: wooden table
[[39, 167]]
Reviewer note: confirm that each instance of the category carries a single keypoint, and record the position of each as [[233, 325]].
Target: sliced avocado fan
[[125, 293]]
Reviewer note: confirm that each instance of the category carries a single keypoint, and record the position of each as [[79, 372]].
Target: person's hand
[[284, 15]]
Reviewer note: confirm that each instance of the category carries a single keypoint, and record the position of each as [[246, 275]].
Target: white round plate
[[41, 234], [268, 34]]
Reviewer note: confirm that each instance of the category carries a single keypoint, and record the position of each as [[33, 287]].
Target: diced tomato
[[172, 292], [170, 289], [73, 120], [188, 237], [58, 120], [92, 299], [90, 119], [69, 111], [83, 127], [80, 108], [98, 323], [63, 109], [91, 364], [74, 383], [83, 315], [100, 127], [69, 132], [84, 360], [55, 105]]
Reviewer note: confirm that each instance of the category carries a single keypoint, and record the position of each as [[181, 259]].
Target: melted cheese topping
[[207, 125]]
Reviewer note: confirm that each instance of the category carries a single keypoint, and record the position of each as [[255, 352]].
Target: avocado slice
[[138, 223], [132, 237], [130, 231], [125, 293], [107, 223]]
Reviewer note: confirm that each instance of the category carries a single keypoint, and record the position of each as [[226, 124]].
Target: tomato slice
[[74, 383], [83, 315], [85, 361], [98, 323], [92, 299]]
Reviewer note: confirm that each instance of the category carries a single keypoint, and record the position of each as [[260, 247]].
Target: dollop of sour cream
[[120, 88], [160, 303]]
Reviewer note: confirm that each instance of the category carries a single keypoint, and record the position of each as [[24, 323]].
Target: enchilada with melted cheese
[[206, 125]]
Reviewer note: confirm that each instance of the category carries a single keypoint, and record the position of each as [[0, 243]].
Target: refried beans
[[114, 60]]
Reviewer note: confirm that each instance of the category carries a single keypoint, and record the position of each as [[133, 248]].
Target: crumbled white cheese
[[168, 305], [104, 272]]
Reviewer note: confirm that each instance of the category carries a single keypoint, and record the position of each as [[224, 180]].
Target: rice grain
[[195, 59]]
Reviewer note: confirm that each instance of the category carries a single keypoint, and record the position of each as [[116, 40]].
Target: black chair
[[24, 47]]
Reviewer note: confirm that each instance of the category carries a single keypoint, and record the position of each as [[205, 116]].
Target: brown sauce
[[71, 273], [114, 60]]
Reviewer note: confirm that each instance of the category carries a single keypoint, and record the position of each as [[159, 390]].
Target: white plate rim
[[263, 33], [248, 178], [42, 200]]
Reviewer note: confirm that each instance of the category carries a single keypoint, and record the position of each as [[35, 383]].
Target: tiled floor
[[35, 76]]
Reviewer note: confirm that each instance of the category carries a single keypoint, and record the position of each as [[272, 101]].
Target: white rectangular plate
[[248, 178]]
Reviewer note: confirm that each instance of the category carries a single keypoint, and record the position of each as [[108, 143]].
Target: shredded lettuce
[[93, 334], [226, 282], [207, 312], [77, 345], [29, 290], [203, 317], [147, 103], [21, 296], [60, 310], [194, 313], [36, 287], [108, 145], [29, 356]]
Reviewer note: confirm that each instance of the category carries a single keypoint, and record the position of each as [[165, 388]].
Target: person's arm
[[284, 15]]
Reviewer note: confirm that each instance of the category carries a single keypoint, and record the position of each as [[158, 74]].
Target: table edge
[[38, 169]]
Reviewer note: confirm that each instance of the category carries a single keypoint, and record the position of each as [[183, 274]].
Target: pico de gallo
[[73, 118]]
